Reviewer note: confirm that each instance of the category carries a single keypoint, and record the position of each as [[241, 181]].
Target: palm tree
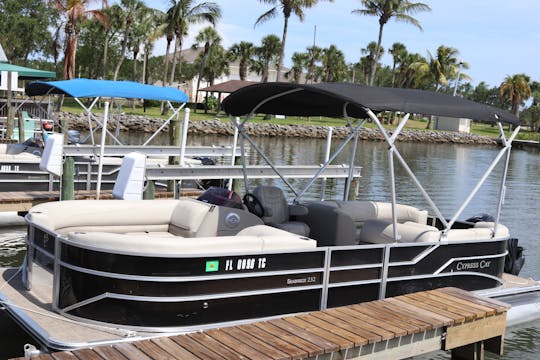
[[242, 51], [145, 33], [370, 52], [75, 11], [184, 13], [517, 89], [299, 62], [266, 55], [333, 64], [385, 10], [314, 55], [114, 13], [209, 37], [288, 7], [131, 9], [399, 53]]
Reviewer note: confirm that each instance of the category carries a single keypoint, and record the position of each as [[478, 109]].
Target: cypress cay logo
[[483, 264]]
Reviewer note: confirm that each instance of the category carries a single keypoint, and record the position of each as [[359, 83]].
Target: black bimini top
[[328, 99]]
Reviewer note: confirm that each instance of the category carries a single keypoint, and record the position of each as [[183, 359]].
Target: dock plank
[[195, 348], [325, 345], [437, 317], [456, 318], [109, 353], [362, 328], [309, 347], [259, 345], [335, 337], [444, 305], [373, 324], [293, 351], [347, 330], [489, 311], [237, 345], [215, 346], [498, 305], [130, 351], [412, 325], [383, 317], [152, 350], [173, 348], [87, 354]]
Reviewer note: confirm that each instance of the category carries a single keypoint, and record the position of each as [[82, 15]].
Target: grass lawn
[[418, 124]]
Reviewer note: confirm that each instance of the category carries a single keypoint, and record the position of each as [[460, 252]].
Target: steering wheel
[[253, 205]]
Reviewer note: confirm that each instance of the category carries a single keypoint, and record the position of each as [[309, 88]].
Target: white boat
[[107, 270]]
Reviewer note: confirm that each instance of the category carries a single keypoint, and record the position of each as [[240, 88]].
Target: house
[[190, 87]]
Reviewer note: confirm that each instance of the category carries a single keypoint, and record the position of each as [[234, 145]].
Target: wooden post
[[353, 191], [21, 127], [68, 192], [9, 123], [174, 140], [150, 191]]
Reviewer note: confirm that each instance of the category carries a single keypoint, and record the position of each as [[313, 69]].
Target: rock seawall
[[216, 127]]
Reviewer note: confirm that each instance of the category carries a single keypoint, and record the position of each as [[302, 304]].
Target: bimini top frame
[[97, 89], [357, 101]]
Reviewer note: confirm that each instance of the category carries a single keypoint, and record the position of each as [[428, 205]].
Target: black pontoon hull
[[192, 292]]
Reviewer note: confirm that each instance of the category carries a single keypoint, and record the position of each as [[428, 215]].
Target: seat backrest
[[187, 217], [274, 203]]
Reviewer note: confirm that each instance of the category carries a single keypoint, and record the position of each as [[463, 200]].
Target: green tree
[[24, 28], [131, 10], [334, 67], [299, 61], [400, 10], [399, 54], [287, 7], [266, 55], [515, 88], [441, 67], [242, 51], [370, 56], [74, 11], [208, 37], [313, 55], [181, 15], [144, 33]]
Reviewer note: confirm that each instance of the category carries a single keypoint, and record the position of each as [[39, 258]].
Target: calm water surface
[[447, 172]]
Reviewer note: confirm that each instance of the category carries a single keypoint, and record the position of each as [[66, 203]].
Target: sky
[[496, 37]]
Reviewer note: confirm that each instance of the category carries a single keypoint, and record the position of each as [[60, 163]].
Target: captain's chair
[[277, 212]]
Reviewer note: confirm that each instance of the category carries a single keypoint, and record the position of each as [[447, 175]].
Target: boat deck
[[398, 327]]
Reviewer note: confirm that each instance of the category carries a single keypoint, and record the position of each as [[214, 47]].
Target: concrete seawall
[[148, 124]]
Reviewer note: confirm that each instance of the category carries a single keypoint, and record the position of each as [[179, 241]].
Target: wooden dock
[[394, 328]]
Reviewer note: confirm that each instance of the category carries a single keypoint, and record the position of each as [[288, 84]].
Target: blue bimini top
[[84, 88]]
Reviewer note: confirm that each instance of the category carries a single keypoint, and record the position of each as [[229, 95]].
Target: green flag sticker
[[212, 265]]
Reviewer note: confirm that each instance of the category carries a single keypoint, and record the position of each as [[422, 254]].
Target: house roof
[[228, 86]]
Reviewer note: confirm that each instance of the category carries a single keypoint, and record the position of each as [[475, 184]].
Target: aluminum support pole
[[406, 167], [326, 157], [176, 112], [183, 140], [502, 192], [482, 180], [235, 143]]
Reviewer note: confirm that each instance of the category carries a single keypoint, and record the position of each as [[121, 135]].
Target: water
[[447, 172]]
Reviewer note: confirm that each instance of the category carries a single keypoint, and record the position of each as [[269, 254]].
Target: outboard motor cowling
[[515, 258]]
